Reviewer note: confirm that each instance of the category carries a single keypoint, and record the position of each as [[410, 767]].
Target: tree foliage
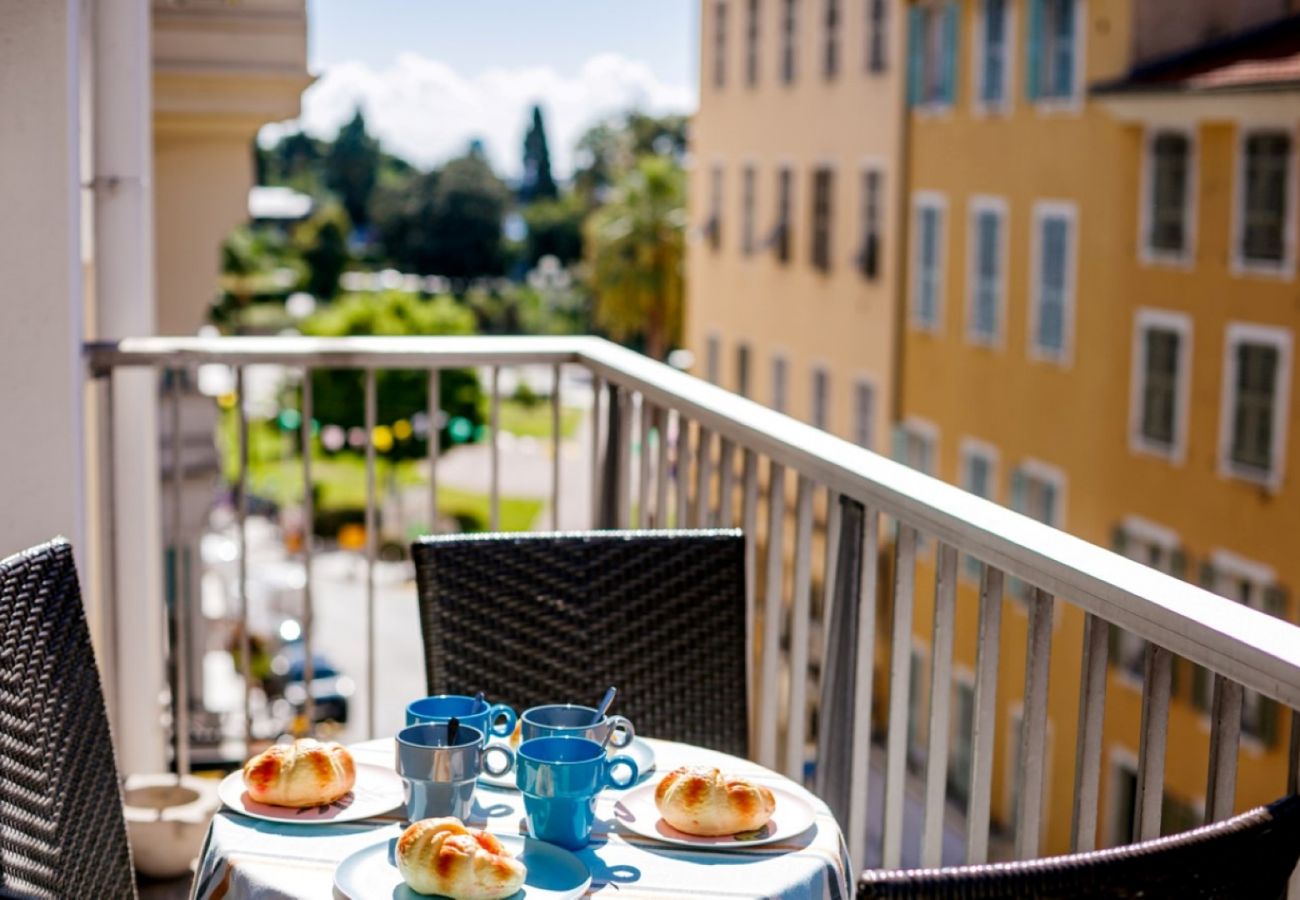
[[537, 183], [352, 168], [635, 249], [339, 394], [610, 148], [322, 241], [555, 229]]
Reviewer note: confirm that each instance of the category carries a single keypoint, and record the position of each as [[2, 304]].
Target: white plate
[[377, 790], [553, 872], [640, 751], [636, 811]]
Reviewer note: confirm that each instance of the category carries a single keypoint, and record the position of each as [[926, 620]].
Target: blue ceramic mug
[[560, 778], [492, 720], [438, 776], [571, 720]]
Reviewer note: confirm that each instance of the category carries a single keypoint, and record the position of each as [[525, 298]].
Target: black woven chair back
[[62, 832], [1249, 857], [556, 618]]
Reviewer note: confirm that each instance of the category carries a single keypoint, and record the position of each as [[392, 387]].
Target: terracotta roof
[[1263, 59]]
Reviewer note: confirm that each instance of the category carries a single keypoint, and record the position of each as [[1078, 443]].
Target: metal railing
[[731, 463]]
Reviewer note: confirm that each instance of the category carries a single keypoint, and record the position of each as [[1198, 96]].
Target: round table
[[250, 858]]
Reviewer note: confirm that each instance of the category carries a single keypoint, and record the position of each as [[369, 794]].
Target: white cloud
[[423, 110]]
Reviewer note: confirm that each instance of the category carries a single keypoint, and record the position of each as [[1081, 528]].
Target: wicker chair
[[1249, 857], [535, 619], [62, 831]]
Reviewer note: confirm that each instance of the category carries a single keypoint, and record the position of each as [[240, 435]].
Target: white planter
[[166, 820]]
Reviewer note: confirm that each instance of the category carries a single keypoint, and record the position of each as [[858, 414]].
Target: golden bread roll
[[304, 773], [442, 856], [703, 801]]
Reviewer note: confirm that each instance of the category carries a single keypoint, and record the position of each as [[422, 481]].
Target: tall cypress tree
[[538, 183]]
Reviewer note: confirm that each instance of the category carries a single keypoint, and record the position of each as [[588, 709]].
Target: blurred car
[[330, 688]]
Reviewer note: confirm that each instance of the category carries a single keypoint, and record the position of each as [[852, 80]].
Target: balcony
[[851, 559]]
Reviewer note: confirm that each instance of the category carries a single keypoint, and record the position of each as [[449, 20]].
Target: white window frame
[[1144, 531], [787, 40], [1068, 210], [968, 448], [753, 42], [879, 165], [860, 381], [1053, 475], [938, 201], [1281, 338], [720, 17], [1164, 320], [983, 203], [824, 370], [1011, 50], [927, 431], [924, 107], [1148, 255], [1072, 105], [780, 398], [823, 164], [1241, 266]]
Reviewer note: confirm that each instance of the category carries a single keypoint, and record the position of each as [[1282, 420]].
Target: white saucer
[[377, 790], [635, 810]]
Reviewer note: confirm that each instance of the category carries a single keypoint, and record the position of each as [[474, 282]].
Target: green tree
[[610, 148], [537, 182], [323, 244], [338, 395], [635, 247], [555, 229], [352, 168]]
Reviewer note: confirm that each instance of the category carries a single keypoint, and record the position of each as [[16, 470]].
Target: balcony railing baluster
[[372, 526], [1156, 684], [661, 467], [494, 429], [597, 470], [643, 465], [180, 591], [800, 618], [1033, 730], [984, 718], [308, 533], [682, 462], [557, 439], [435, 437], [703, 478], [1225, 738], [726, 483], [623, 484], [749, 523], [899, 692], [936, 761], [772, 603], [1092, 708], [863, 673]]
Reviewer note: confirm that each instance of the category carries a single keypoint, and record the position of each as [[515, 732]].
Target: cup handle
[[620, 760], [615, 723], [501, 729], [505, 751]]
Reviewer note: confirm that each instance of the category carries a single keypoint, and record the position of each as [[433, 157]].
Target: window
[[780, 238], [1255, 585], [831, 39], [877, 35], [927, 279], [962, 752], [751, 42], [869, 255], [821, 401], [1154, 546], [864, 413], [719, 43], [1168, 200], [1176, 815], [979, 476], [1052, 308], [821, 219], [1257, 375], [1161, 357], [914, 445], [992, 40], [711, 353], [713, 227], [1054, 51], [1265, 236], [932, 55], [780, 384], [748, 185], [789, 38], [987, 259], [742, 369], [1036, 491]]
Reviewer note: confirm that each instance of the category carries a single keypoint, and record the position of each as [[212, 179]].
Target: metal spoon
[[605, 703], [453, 727]]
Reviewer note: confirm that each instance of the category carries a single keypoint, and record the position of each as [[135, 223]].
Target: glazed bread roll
[[442, 856], [304, 773], [704, 801]]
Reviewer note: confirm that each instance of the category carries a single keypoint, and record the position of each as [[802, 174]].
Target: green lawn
[[535, 420]]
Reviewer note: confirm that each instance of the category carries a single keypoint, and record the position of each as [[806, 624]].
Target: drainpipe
[[124, 307]]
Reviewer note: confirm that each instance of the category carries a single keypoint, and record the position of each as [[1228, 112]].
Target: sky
[[430, 75]]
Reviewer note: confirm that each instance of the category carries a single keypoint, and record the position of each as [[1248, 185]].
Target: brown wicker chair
[[535, 619], [62, 832], [1249, 857]]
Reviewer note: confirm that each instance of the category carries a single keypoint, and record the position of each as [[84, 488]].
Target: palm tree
[[636, 248]]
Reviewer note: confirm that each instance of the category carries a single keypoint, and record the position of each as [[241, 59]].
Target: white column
[[42, 485], [124, 296]]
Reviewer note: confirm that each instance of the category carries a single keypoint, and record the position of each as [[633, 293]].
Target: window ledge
[[1170, 453], [1283, 270], [1270, 480]]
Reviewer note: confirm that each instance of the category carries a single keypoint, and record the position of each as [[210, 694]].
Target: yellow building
[[795, 202], [1098, 311]]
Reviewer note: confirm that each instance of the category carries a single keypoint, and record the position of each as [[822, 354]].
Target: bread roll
[[703, 801], [304, 773], [442, 856]]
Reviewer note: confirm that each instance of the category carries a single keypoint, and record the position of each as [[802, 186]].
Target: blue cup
[[477, 714], [438, 777], [560, 778], [571, 720]]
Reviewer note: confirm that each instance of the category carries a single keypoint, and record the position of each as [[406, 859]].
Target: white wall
[[41, 455]]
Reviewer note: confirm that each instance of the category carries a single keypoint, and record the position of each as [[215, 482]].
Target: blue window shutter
[[950, 24], [915, 51], [1034, 49], [899, 449], [1019, 491]]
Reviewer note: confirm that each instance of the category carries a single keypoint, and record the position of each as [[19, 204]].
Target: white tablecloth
[[251, 858]]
